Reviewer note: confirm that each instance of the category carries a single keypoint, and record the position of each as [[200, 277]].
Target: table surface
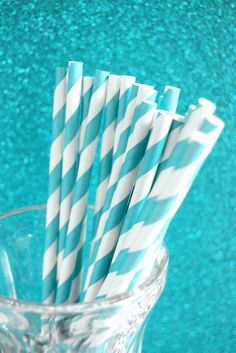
[[190, 44]]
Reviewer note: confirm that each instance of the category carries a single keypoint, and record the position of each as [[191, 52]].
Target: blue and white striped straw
[[87, 89], [137, 94], [70, 143], [71, 262], [126, 95], [164, 200], [105, 245], [107, 139], [149, 165], [53, 204]]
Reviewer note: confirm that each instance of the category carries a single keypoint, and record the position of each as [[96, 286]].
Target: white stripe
[[56, 152], [86, 158], [89, 274], [124, 187], [171, 143], [76, 216], [68, 264], [87, 84], [107, 243], [142, 127], [97, 101], [69, 156], [65, 210], [73, 99], [53, 206], [49, 254], [101, 194], [107, 140], [113, 86], [92, 291], [142, 186]]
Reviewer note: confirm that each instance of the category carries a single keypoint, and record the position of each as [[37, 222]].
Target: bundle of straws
[[120, 167]]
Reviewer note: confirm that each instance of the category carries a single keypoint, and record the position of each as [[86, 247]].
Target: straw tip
[[208, 105], [172, 88]]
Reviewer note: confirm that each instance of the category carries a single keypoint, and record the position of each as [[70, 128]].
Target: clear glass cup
[[114, 325]]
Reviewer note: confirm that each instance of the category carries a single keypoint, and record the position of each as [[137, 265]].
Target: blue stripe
[[185, 152], [92, 130], [124, 101], [98, 271], [58, 123], [62, 237], [49, 284], [81, 186], [71, 128], [55, 178], [52, 232], [152, 156], [134, 157], [68, 181], [86, 102], [117, 215], [110, 110]]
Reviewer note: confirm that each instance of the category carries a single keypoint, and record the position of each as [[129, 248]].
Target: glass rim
[[157, 273]]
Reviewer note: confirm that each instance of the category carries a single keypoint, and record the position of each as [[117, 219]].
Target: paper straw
[[87, 88], [105, 245], [127, 95], [52, 216], [161, 205], [137, 94], [74, 241], [72, 121], [152, 156], [104, 160], [107, 139]]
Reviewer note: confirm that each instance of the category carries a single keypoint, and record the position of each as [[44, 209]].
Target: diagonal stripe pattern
[[53, 204], [105, 244], [165, 197], [74, 241], [72, 121]]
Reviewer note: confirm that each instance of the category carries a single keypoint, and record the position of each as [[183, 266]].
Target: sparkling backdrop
[[191, 44]]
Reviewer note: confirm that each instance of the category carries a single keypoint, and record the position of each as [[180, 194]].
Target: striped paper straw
[[137, 94], [164, 200], [127, 94], [73, 101], [105, 245], [53, 204], [104, 160], [72, 258], [152, 156], [87, 89], [107, 139]]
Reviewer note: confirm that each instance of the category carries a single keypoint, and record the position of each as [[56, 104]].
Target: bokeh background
[[191, 44]]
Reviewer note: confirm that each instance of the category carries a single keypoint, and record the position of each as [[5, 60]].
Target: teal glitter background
[[191, 44]]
